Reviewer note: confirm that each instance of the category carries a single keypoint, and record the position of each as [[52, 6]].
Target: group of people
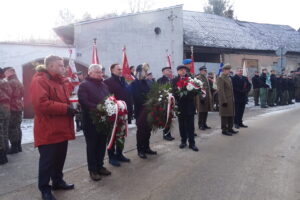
[[11, 108], [276, 89], [54, 112]]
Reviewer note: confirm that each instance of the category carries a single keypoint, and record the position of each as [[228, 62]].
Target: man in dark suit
[[186, 108], [166, 79], [120, 89], [241, 87], [255, 83]]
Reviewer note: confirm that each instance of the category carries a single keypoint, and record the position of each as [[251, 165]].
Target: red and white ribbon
[[170, 100]]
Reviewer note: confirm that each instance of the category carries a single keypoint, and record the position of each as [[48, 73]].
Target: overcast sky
[[36, 18]]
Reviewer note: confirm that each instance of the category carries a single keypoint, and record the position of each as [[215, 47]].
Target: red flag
[[192, 70], [95, 59], [169, 64], [126, 70]]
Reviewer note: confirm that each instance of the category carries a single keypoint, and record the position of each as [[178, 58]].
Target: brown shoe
[[103, 171], [95, 176]]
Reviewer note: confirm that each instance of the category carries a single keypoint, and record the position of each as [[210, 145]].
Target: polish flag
[[169, 64], [95, 59], [126, 70], [192, 70]]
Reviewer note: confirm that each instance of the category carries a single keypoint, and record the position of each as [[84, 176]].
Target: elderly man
[[16, 110], [226, 100], [53, 124], [204, 104], [241, 88], [91, 92], [186, 108], [166, 79], [120, 89]]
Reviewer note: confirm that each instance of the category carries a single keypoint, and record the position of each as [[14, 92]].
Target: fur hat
[[142, 71]]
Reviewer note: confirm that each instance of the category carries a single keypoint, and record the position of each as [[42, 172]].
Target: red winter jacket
[[50, 98]]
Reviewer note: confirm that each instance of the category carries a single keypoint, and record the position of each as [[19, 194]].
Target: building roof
[[207, 30]]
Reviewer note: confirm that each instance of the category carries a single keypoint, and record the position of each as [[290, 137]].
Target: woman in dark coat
[[91, 92], [140, 88]]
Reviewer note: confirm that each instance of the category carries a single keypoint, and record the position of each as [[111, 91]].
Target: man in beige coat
[[203, 104], [226, 100]]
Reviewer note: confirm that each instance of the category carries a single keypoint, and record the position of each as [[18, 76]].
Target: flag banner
[[245, 72], [95, 59], [220, 68], [170, 64], [126, 70], [192, 70]]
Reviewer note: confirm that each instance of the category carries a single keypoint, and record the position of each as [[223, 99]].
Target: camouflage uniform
[[16, 108], [5, 94]]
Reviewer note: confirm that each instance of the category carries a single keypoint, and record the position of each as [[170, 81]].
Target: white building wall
[[136, 31], [16, 55]]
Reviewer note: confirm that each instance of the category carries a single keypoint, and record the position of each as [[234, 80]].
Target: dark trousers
[[187, 128], [51, 164], [239, 112], [202, 118], [226, 123], [143, 133], [256, 95], [130, 113], [95, 149], [14, 131]]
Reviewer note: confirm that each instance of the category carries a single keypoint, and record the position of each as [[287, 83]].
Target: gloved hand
[[224, 105], [202, 101], [71, 111]]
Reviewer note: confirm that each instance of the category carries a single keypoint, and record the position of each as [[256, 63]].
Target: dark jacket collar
[[97, 81]]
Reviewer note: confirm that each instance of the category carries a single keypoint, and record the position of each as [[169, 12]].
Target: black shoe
[[62, 186], [236, 126], [243, 125], [103, 171], [193, 147], [142, 155], [95, 176], [195, 135], [48, 196], [207, 127], [168, 137], [264, 106], [182, 145], [202, 128], [122, 158], [150, 152], [13, 149], [232, 131], [226, 133], [257, 105], [114, 162]]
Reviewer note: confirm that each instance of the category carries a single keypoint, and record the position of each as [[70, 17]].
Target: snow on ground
[[27, 130]]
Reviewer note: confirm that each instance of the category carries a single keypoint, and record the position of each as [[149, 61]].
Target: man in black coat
[[263, 88], [241, 88], [186, 108], [272, 92], [120, 89], [166, 79], [255, 83], [91, 92], [140, 88]]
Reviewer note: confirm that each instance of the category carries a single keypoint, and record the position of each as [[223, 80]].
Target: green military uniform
[[16, 109], [204, 104], [226, 101]]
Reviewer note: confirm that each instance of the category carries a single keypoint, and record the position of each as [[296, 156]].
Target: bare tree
[[86, 16], [65, 17], [136, 6], [219, 7]]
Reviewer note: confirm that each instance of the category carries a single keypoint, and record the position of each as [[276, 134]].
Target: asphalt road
[[262, 162]]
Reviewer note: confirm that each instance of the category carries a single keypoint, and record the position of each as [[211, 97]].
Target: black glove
[[202, 101], [71, 111], [224, 105]]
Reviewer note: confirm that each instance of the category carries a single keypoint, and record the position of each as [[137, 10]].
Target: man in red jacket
[[53, 124]]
